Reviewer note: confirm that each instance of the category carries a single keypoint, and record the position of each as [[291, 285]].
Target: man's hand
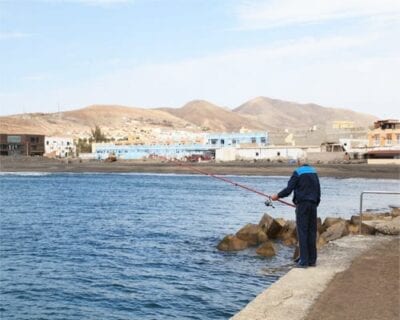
[[274, 197]]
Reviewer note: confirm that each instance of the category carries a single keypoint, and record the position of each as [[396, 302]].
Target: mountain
[[284, 114], [261, 114], [113, 120], [208, 116]]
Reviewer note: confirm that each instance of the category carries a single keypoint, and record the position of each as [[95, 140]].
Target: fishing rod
[[268, 203]]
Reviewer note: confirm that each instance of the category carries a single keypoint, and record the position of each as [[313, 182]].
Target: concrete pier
[[292, 296]]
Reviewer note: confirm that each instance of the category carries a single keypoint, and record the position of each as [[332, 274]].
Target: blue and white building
[[132, 152], [180, 151], [220, 140]]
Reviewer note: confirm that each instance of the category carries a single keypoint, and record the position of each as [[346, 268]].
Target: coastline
[[260, 168]]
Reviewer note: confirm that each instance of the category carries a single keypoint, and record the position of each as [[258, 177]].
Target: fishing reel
[[269, 203]]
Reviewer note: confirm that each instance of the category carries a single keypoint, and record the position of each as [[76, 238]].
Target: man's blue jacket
[[305, 184]]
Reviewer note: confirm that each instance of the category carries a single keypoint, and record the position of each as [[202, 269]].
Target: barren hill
[[119, 121], [285, 114], [208, 116], [113, 120]]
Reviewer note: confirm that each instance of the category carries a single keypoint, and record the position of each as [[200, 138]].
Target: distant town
[[380, 144]]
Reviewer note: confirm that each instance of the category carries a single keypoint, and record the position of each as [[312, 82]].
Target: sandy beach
[[260, 168]]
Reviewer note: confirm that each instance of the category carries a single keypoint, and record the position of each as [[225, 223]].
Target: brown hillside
[[209, 116], [284, 114], [78, 123]]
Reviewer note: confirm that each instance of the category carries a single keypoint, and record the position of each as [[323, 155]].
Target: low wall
[[384, 161]]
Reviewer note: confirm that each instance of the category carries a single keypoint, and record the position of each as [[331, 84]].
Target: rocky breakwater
[[264, 235]]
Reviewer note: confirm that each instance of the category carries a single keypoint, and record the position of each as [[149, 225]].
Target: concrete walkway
[[293, 296], [369, 289]]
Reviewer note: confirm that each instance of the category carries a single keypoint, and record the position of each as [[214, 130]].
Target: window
[[398, 138], [257, 154], [253, 140], [222, 141], [263, 140], [389, 139], [278, 153], [47, 142], [376, 138]]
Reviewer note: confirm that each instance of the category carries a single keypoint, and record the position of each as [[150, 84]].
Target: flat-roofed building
[[61, 147], [21, 144], [386, 133]]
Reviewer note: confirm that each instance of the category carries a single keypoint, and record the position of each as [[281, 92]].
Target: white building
[[59, 147], [264, 153]]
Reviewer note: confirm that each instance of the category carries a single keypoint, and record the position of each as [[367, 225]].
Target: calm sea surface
[[142, 246]]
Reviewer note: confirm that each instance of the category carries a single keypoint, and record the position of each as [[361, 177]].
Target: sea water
[[143, 246]]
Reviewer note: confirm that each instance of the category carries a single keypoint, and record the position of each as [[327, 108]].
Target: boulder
[[320, 242], [355, 220], [232, 243], [368, 228], [390, 228], [353, 228], [288, 233], [335, 231], [328, 222], [267, 249], [281, 221], [395, 212], [270, 226], [253, 234]]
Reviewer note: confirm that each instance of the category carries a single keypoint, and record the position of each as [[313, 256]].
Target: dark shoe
[[312, 264], [297, 260]]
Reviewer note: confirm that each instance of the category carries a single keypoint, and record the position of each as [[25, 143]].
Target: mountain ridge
[[258, 114]]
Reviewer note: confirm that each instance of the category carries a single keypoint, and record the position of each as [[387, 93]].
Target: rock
[[328, 222], [270, 226], [253, 234], [353, 228], [267, 249], [288, 233], [368, 228], [335, 231], [232, 243], [395, 212], [390, 228], [320, 242], [355, 220]]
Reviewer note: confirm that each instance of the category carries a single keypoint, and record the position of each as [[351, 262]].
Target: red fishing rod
[[267, 203]]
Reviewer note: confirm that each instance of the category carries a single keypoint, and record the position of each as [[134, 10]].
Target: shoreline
[[259, 168]]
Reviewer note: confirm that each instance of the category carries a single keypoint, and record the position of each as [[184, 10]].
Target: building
[[131, 152], [60, 147], [21, 144], [343, 124], [220, 140], [386, 133], [384, 142], [268, 153]]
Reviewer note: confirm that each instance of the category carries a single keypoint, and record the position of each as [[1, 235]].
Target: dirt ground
[[262, 168], [368, 290]]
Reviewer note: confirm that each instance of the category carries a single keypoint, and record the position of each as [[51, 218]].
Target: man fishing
[[307, 195]]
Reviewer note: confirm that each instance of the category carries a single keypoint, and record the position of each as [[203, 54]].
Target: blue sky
[[154, 53]]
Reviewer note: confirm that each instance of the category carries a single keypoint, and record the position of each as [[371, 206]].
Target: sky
[[60, 55]]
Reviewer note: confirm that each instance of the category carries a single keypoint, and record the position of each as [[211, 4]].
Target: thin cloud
[[277, 13]]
